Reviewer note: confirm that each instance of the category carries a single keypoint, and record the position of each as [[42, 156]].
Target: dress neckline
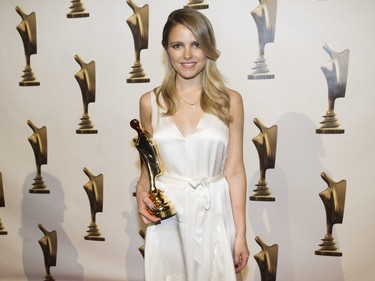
[[192, 131]]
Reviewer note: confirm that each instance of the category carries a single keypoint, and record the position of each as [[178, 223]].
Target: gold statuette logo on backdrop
[[334, 202], [265, 18], [48, 243], [336, 73], [267, 260], [77, 10], [38, 141], [138, 23], [150, 155], [2, 204], [86, 80], [94, 190], [27, 30], [196, 4], [265, 144]]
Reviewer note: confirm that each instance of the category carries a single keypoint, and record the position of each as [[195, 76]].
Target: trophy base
[[260, 76], [39, 191], [328, 253], [49, 278], [94, 238], [29, 83], [164, 214], [77, 15], [330, 131], [3, 232], [86, 131], [196, 6], [137, 80], [262, 198]]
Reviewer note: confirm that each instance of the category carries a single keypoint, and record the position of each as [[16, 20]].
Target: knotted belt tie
[[204, 204]]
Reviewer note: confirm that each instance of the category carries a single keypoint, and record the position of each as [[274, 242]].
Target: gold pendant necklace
[[189, 103]]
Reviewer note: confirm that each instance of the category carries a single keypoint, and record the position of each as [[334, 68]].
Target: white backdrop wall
[[295, 100]]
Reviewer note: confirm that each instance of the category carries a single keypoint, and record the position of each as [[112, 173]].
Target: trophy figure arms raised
[[334, 202], [336, 73], [267, 260], [196, 4], [77, 10], [138, 23], [38, 141], [48, 243], [27, 30], [94, 190], [2, 204], [86, 80], [150, 157], [265, 144], [265, 18]]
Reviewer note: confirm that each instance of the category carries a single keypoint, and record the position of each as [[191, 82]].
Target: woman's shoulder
[[145, 99], [235, 97]]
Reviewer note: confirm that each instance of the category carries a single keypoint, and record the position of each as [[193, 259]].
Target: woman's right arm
[[143, 185]]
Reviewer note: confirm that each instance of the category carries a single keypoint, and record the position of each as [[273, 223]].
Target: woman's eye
[[176, 46], [196, 45]]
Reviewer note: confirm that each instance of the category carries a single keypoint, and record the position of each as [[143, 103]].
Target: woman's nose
[[187, 53]]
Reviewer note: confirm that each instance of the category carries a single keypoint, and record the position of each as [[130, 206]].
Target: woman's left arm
[[235, 174]]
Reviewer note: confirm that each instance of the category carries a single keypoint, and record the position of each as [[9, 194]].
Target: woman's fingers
[[240, 262], [145, 208]]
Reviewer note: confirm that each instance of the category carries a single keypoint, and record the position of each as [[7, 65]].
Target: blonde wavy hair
[[215, 96]]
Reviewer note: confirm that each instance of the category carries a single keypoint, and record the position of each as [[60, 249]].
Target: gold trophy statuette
[[48, 243], [86, 80], [196, 4], [336, 73], [150, 155], [142, 248], [27, 30], [38, 142], [265, 144], [77, 10], [265, 18], [267, 260], [94, 190], [138, 23], [2, 204], [334, 202]]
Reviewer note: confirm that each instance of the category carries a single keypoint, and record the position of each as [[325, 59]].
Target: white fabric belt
[[194, 183], [204, 204], [201, 182]]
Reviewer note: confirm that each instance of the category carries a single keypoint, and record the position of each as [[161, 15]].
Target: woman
[[197, 124]]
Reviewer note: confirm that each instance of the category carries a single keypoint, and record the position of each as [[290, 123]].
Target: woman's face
[[185, 54]]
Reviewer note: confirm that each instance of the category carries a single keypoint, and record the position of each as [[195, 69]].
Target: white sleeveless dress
[[197, 243]]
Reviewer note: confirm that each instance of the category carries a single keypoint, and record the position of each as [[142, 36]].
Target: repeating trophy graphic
[[87, 82], [265, 143], [265, 18], [77, 10], [48, 243], [27, 30], [334, 202], [38, 141], [336, 73], [2, 204], [197, 4], [267, 260], [139, 25], [94, 191]]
